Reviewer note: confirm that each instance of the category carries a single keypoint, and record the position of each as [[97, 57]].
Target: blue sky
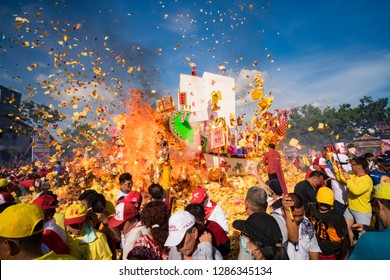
[[317, 52]]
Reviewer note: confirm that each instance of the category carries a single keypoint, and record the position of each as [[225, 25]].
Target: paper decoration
[[217, 137], [293, 142]]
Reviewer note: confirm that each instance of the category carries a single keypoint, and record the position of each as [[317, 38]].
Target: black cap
[[261, 228], [384, 159]]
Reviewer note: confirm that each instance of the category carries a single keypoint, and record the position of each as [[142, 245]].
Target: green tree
[[371, 114], [345, 126], [346, 122], [36, 116], [82, 134], [301, 119]]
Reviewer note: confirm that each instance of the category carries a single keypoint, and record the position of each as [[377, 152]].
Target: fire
[[133, 146]]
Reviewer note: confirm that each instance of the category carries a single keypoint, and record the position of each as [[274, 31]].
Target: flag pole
[[279, 174]]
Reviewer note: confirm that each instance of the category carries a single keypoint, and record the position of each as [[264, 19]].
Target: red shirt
[[54, 242], [27, 183], [271, 158], [219, 235], [221, 240]]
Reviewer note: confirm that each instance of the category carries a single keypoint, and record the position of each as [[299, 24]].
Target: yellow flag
[[306, 161]]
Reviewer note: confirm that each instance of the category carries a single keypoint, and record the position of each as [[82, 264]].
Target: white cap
[[179, 223], [343, 158], [343, 161]]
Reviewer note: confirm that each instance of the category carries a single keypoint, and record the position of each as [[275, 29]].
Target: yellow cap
[[75, 214], [21, 220], [325, 195], [383, 191], [3, 183]]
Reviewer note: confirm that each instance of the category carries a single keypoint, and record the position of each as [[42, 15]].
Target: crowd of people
[[341, 210]]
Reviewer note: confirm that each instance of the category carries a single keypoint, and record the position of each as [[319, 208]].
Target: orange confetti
[[30, 68], [97, 70], [293, 142], [24, 20]]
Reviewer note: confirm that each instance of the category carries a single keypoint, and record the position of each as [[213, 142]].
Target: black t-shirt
[[307, 192], [330, 227]]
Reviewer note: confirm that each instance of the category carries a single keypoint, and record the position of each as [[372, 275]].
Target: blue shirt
[[372, 245], [376, 176]]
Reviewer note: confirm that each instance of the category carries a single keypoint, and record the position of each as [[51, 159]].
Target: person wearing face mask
[[330, 226], [263, 237], [256, 202]]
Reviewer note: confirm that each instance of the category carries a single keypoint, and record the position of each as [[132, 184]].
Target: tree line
[[342, 124]]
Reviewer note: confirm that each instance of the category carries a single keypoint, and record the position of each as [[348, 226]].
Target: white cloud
[[7, 77], [330, 81], [245, 78]]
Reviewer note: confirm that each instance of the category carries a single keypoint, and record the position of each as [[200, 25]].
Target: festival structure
[[206, 120]]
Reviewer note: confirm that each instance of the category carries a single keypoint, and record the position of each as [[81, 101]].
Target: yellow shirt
[[60, 217], [53, 256], [96, 249], [359, 191]]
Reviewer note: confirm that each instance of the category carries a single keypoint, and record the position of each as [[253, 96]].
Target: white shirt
[[339, 190], [218, 216], [307, 242], [121, 194], [131, 237]]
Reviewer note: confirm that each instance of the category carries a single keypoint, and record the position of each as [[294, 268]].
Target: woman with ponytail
[[150, 246]]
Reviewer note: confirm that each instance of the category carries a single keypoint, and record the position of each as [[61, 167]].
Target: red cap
[[321, 162], [133, 197], [329, 149], [6, 198], [198, 195], [45, 202], [124, 211]]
